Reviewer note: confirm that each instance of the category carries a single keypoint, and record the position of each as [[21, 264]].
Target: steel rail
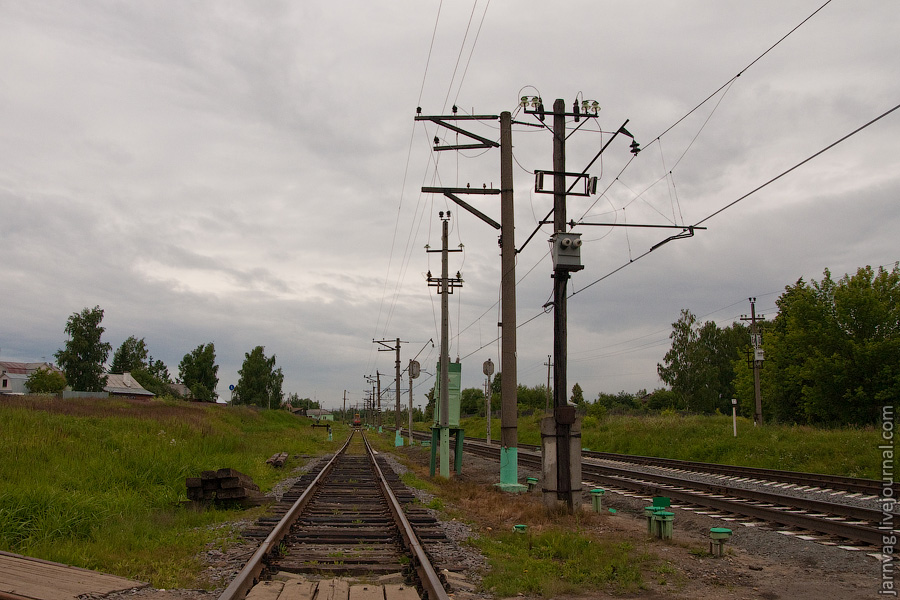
[[428, 577], [628, 480], [840, 482], [850, 484], [817, 506], [248, 576], [851, 531]]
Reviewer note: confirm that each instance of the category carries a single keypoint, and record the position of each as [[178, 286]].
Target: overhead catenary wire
[[675, 202], [402, 188], [745, 196]]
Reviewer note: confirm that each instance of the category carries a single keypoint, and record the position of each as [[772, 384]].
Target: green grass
[[851, 451], [557, 562], [100, 483]]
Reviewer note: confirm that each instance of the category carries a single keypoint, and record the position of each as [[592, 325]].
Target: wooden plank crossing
[[295, 588], [23, 577]]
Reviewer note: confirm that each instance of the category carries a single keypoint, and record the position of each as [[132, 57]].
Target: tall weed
[[99, 483]]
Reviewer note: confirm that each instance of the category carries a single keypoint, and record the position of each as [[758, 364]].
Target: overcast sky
[[249, 173]]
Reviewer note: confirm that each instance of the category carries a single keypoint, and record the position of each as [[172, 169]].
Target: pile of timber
[[225, 486], [277, 460]]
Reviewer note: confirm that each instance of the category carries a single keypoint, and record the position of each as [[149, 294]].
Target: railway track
[[840, 523], [350, 529], [850, 485]]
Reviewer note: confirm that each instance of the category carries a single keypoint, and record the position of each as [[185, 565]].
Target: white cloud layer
[[248, 174]]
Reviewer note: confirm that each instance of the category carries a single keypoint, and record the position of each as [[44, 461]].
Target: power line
[[744, 197], [742, 71], [799, 164]]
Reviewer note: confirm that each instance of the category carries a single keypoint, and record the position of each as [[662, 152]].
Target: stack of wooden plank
[[224, 486], [277, 460]]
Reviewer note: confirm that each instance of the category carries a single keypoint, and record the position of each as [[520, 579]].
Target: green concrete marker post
[[509, 471]]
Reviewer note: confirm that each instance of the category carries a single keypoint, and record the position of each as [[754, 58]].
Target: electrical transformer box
[[566, 251]]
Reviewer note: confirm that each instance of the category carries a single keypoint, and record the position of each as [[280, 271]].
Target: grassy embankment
[[99, 483], [852, 452]]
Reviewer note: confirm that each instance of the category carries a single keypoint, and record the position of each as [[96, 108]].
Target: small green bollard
[[663, 524], [520, 528], [532, 483], [717, 537], [649, 511], [597, 498]]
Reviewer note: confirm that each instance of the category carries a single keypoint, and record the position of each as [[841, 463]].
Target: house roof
[[21, 368], [124, 384]]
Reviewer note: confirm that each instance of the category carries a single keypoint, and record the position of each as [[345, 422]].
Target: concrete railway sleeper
[[348, 521]]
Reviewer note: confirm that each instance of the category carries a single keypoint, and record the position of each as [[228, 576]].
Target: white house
[[14, 374]]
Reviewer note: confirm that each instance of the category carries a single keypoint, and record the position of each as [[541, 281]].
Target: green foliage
[[709, 439], [833, 351], [296, 401], [83, 357], [845, 451], [46, 381], [832, 354], [662, 399], [199, 372], [554, 563], [152, 381], [623, 401], [700, 364], [471, 401], [260, 381], [577, 395], [534, 398], [131, 355], [99, 483]]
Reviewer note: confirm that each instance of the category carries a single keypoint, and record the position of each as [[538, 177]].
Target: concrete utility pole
[[445, 285], [561, 433], [344, 415], [758, 357], [411, 377], [396, 349], [509, 381], [568, 463], [378, 400], [509, 470]]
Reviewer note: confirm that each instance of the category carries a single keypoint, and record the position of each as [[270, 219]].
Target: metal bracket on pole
[[451, 193], [482, 142]]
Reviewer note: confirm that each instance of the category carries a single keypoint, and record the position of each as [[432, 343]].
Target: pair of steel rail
[[252, 571], [829, 518]]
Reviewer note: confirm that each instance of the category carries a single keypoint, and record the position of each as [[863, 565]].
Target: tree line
[[832, 357], [832, 354], [84, 355]]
